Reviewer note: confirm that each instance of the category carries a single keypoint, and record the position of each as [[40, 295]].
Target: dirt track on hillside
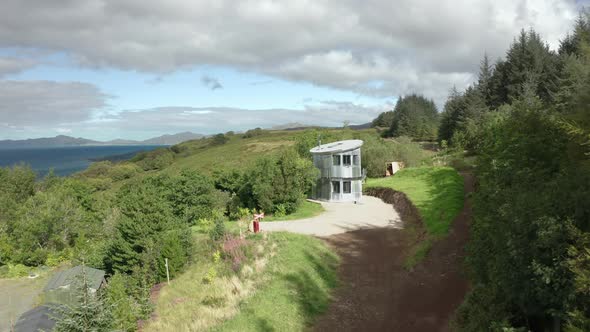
[[378, 294]]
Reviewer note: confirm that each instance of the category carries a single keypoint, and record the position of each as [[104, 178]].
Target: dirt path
[[378, 294]]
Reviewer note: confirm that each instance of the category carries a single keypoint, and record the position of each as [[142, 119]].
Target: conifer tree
[[88, 313]]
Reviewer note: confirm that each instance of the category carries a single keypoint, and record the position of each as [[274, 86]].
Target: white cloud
[[220, 119], [405, 45], [12, 65], [48, 103]]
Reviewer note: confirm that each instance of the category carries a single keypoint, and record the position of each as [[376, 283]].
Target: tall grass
[[282, 289]]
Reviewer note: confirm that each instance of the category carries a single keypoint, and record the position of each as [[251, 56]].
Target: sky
[[133, 69]]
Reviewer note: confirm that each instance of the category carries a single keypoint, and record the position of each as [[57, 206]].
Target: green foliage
[[176, 246], [384, 120], [416, 117], [150, 228], [154, 160], [190, 194], [253, 133], [280, 211], [219, 139], [120, 297], [378, 151], [51, 221], [123, 171], [525, 257], [272, 180], [461, 117], [90, 312], [14, 271], [218, 231]]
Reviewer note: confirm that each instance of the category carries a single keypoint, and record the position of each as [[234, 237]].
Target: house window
[[346, 187], [336, 160], [346, 160], [355, 160], [336, 187]]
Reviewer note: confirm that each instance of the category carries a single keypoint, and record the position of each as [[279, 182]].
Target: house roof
[[336, 147], [36, 319], [66, 277]]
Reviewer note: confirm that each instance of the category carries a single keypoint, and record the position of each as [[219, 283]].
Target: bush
[[218, 230], [253, 133], [154, 160], [276, 179], [280, 210], [100, 184], [176, 246], [219, 139], [17, 271], [119, 296], [236, 250], [378, 151], [123, 171], [97, 169]]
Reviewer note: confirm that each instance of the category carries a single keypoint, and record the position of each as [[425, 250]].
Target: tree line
[[527, 119]]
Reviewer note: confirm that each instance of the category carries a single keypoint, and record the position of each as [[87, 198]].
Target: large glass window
[[336, 187], [346, 187], [355, 160], [336, 160], [346, 160]]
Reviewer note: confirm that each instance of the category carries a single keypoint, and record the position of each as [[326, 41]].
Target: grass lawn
[[437, 192], [306, 210], [283, 289]]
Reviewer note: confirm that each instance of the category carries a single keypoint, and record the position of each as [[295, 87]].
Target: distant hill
[[172, 139], [63, 140], [60, 140], [289, 126], [298, 126]]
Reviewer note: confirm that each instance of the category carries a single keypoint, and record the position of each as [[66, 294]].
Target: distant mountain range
[[299, 126], [63, 140]]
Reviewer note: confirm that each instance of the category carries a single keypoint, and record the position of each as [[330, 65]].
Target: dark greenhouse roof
[[66, 277]]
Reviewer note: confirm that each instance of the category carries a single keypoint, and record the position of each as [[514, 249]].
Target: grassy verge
[[296, 288], [282, 289], [306, 210], [437, 193]]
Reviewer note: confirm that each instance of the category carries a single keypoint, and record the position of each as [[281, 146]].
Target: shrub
[[236, 250], [218, 230], [17, 271], [100, 184], [219, 139], [123, 171], [176, 246], [119, 296], [253, 133], [97, 169], [154, 160], [280, 210]]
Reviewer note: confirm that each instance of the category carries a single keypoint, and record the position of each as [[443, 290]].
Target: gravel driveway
[[340, 218]]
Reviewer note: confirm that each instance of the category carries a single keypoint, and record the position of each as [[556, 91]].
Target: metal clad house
[[341, 176]]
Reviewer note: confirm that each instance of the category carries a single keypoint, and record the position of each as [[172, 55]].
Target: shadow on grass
[[264, 326], [311, 291]]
